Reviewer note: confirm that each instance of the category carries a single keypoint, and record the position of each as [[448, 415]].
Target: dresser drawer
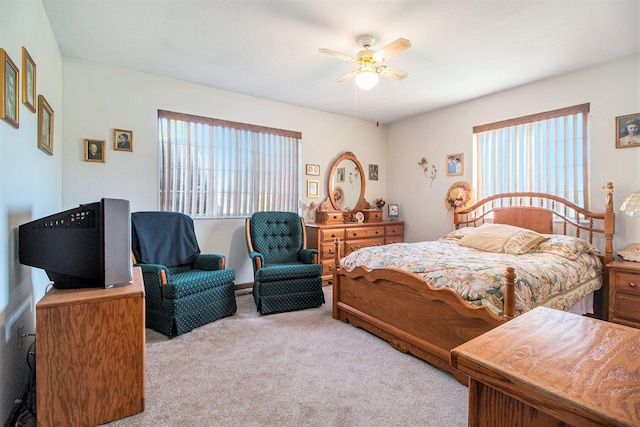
[[626, 307], [372, 215], [327, 266], [393, 239], [626, 283], [394, 230], [327, 250], [364, 233], [331, 234], [328, 217], [354, 245]]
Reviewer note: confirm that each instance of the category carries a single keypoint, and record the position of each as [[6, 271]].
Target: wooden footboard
[[429, 322], [410, 314]]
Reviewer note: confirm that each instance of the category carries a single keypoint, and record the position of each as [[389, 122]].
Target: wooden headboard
[[544, 213]]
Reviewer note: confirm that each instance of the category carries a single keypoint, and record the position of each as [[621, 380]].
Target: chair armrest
[[308, 256], [154, 274], [257, 260], [209, 262]]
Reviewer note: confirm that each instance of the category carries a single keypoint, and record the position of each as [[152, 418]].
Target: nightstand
[[624, 293]]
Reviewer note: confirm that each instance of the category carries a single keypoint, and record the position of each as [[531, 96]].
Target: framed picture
[[28, 81], [393, 210], [628, 131], [94, 150], [340, 173], [313, 188], [122, 140], [455, 164], [373, 172], [9, 77], [313, 169], [45, 126]]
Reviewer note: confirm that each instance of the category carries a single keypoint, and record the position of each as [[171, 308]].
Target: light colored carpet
[[300, 368]]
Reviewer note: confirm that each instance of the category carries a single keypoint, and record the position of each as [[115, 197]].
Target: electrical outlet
[[20, 336]]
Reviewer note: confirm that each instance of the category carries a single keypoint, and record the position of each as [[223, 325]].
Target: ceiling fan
[[369, 60]]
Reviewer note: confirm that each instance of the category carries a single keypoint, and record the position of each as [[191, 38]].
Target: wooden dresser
[[353, 236], [552, 368], [90, 354]]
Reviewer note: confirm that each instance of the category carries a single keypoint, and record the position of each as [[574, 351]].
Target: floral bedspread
[[555, 276]]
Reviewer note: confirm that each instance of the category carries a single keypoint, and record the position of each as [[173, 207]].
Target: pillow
[[458, 234], [502, 238], [566, 246], [631, 252]]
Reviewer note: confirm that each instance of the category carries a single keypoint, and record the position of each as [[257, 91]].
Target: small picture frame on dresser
[[393, 211]]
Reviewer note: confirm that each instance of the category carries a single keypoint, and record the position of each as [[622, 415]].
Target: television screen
[[85, 247]]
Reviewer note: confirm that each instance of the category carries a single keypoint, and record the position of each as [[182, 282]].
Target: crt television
[[85, 247]]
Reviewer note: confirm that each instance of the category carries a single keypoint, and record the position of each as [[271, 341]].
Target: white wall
[[99, 98], [29, 187], [613, 90]]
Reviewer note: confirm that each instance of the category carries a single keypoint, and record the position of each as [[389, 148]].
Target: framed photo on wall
[[373, 172], [123, 140], [28, 81], [313, 188], [313, 169], [94, 150], [628, 131], [45, 126], [455, 164], [9, 78]]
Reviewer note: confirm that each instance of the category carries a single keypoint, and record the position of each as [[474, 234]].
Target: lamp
[[366, 78], [631, 205]]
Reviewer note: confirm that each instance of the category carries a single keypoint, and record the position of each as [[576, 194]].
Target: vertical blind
[[217, 168], [545, 152]]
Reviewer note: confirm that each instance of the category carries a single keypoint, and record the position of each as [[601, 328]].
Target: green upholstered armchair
[[287, 275], [184, 289]]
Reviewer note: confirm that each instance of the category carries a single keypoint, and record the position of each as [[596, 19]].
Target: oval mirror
[[347, 184]]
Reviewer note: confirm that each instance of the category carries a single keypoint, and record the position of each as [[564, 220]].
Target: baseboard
[[240, 286]]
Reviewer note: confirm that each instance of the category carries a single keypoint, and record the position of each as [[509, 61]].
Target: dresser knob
[[633, 285], [331, 251]]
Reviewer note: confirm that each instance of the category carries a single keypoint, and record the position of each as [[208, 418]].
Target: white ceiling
[[461, 49]]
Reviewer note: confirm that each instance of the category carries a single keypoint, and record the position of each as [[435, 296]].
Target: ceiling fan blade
[[393, 73], [347, 76], [391, 49], [338, 55]]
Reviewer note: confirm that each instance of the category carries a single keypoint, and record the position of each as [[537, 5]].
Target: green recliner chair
[[184, 289], [287, 275]]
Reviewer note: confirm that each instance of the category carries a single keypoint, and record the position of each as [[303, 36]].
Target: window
[[544, 153], [215, 168]]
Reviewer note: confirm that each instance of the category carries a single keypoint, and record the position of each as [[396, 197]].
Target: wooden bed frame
[[429, 322]]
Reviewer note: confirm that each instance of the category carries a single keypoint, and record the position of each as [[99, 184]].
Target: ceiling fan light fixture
[[366, 79]]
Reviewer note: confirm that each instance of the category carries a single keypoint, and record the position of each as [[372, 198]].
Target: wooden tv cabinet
[[90, 354], [552, 368]]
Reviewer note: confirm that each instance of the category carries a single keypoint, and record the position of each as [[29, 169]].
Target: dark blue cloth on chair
[[184, 289], [166, 238]]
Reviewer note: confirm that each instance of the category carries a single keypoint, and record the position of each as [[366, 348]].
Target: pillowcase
[[566, 246], [502, 238]]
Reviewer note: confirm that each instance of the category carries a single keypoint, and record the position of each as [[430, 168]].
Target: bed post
[[509, 309], [609, 224], [336, 281]]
